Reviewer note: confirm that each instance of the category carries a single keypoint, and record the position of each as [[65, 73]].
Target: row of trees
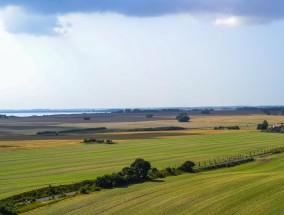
[[139, 171], [100, 141]]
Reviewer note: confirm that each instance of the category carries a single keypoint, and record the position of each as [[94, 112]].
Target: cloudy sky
[[142, 53]]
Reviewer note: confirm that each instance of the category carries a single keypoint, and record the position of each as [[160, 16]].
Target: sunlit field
[[254, 188], [25, 169]]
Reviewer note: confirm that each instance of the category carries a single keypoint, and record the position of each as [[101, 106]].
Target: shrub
[[155, 173], [7, 210], [187, 166], [83, 190], [171, 171]]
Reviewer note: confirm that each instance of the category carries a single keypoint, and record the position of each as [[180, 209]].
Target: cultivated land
[[27, 169], [254, 188], [30, 161]]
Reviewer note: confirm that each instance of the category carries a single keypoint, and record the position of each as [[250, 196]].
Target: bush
[[171, 171], [7, 210], [187, 166], [83, 190], [155, 173]]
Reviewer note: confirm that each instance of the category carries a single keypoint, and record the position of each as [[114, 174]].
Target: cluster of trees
[[90, 141], [87, 118], [227, 128], [183, 117], [263, 126], [3, 116], [274, 111], [104, 129], [84, 130]]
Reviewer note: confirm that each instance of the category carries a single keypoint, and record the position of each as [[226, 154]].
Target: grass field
[[254, 188], [28, 169]]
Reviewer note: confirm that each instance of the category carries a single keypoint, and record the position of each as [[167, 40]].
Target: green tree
[[263, 126], [141, 167]]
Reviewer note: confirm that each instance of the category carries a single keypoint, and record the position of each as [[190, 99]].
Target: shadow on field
[[157, 180]]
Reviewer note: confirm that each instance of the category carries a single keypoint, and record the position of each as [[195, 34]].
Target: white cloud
[[16, 19], [231, 21], [110, 60]]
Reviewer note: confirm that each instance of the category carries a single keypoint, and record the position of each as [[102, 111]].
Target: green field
[[28, 169], [254, 188]]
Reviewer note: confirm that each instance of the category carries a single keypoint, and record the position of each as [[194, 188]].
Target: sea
[[49, 113]]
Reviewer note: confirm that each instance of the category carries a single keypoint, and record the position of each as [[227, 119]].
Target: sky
[[143, 53]]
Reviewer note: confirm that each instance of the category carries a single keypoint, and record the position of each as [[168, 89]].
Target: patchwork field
[[254, 188], [21, 127], [27, 169]]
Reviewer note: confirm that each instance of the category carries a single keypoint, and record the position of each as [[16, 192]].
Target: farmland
[[254, 188], [30, 161], [36, 167]]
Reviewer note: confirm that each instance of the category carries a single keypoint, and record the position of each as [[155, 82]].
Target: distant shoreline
[[50, 113]]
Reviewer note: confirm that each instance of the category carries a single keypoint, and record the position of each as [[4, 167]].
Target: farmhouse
[[278, 128]]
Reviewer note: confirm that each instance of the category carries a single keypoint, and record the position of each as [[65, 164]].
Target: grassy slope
[[254, 188], [22, 170]]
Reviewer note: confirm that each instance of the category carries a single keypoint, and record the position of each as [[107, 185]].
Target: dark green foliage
[[227, 128], [138, 171], [87, 118], [130, 175], [183, 117], [86, 130], [109, 141], [263, 126], [169, 128], [187, 166], [154, 173], [83, 190], [105, 181], [171, 171], [103, 130], [7, 210], [141, 167], [92, 141]]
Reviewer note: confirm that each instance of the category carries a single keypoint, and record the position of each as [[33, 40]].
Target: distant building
[[278, 128]]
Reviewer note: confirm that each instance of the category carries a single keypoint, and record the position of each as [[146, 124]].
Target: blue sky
[[124, 53]]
